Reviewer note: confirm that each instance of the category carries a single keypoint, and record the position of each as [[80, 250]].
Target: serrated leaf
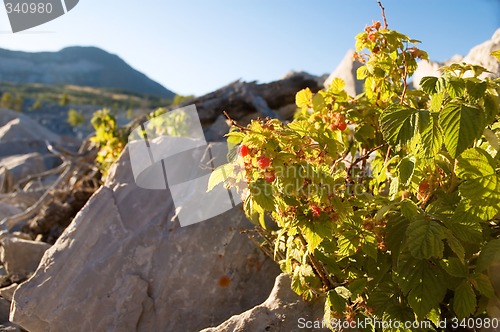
[[398, 124], [481, 187], [436, 102], [432, 137], [362, 72], [461, 125], [219, 175], [335, 302], [428, 84], [303, 98], [302, 127], [235, 137], [490, 253], [262, 193], [455, 245], [406, 168], [474, 89], [318, 102], [425, 239], [316, 232], [454, 267], [455, 87], [424, 283], [464, 301], [482, 283], [337, 85]]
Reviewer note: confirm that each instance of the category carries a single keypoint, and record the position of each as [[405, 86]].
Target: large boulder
[[20, 257], [283, 311], [16, 126], [124, 265], [347, 70]]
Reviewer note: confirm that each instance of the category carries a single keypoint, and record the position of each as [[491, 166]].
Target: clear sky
[[197, 46]]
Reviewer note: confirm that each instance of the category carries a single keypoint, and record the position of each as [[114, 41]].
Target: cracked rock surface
[[123, 265]]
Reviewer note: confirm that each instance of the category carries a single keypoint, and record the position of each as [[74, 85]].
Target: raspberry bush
[[384, 204]]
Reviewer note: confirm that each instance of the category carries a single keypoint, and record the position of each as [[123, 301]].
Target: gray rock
[[347, 70], [283, 311], [7, 210], [21, 257], [123, 265], [8, 292], [4, 310], [217, 130], [21, 166], [16, 126]]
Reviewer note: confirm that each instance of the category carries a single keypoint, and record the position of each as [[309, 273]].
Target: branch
[[233, 123], [386, 26]]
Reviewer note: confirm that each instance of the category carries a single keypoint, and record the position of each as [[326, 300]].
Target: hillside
[[84, 66]]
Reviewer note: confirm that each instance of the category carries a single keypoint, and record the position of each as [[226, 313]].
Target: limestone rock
[[21, 257], [7, 210], [126, 266], [8, 292], [16, 126], [21, 166], [347, 70], [283, 311], [480, 55]]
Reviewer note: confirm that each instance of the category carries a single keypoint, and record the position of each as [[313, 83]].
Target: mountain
[[85, 66]]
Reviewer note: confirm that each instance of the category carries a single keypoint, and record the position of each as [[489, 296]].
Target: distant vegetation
[[119, 99]]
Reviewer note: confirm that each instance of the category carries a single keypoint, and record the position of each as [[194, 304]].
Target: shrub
[[394, 215]]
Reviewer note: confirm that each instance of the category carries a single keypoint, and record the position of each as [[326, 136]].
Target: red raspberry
[[316, 211], [342, 125], [263, 162], [243, 150], [269, 177]]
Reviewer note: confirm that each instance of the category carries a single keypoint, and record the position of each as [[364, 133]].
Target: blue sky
[[196, 46]]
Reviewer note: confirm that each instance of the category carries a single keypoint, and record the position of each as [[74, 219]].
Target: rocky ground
[[120, 261]]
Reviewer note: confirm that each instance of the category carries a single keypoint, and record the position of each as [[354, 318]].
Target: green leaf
[[455, 245], [461, 125], [481, 187], [219, 175], [318, 102], [474, 89], [432, 137], [455, 87], [455, 267], [303, 127], [362, 72], [464, 301], [428, 84], [406, 168], [262, 192], [496, 54], [303, 98], [490, 253], [425, 239], [399, 124], [335, 302], [482, 283], [337, 85], [425, 284], [316, 232]]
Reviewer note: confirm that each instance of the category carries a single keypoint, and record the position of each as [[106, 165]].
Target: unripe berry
[[372, 37]]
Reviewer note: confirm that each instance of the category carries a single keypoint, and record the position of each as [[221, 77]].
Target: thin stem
[[386, 26], [233, 123]]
